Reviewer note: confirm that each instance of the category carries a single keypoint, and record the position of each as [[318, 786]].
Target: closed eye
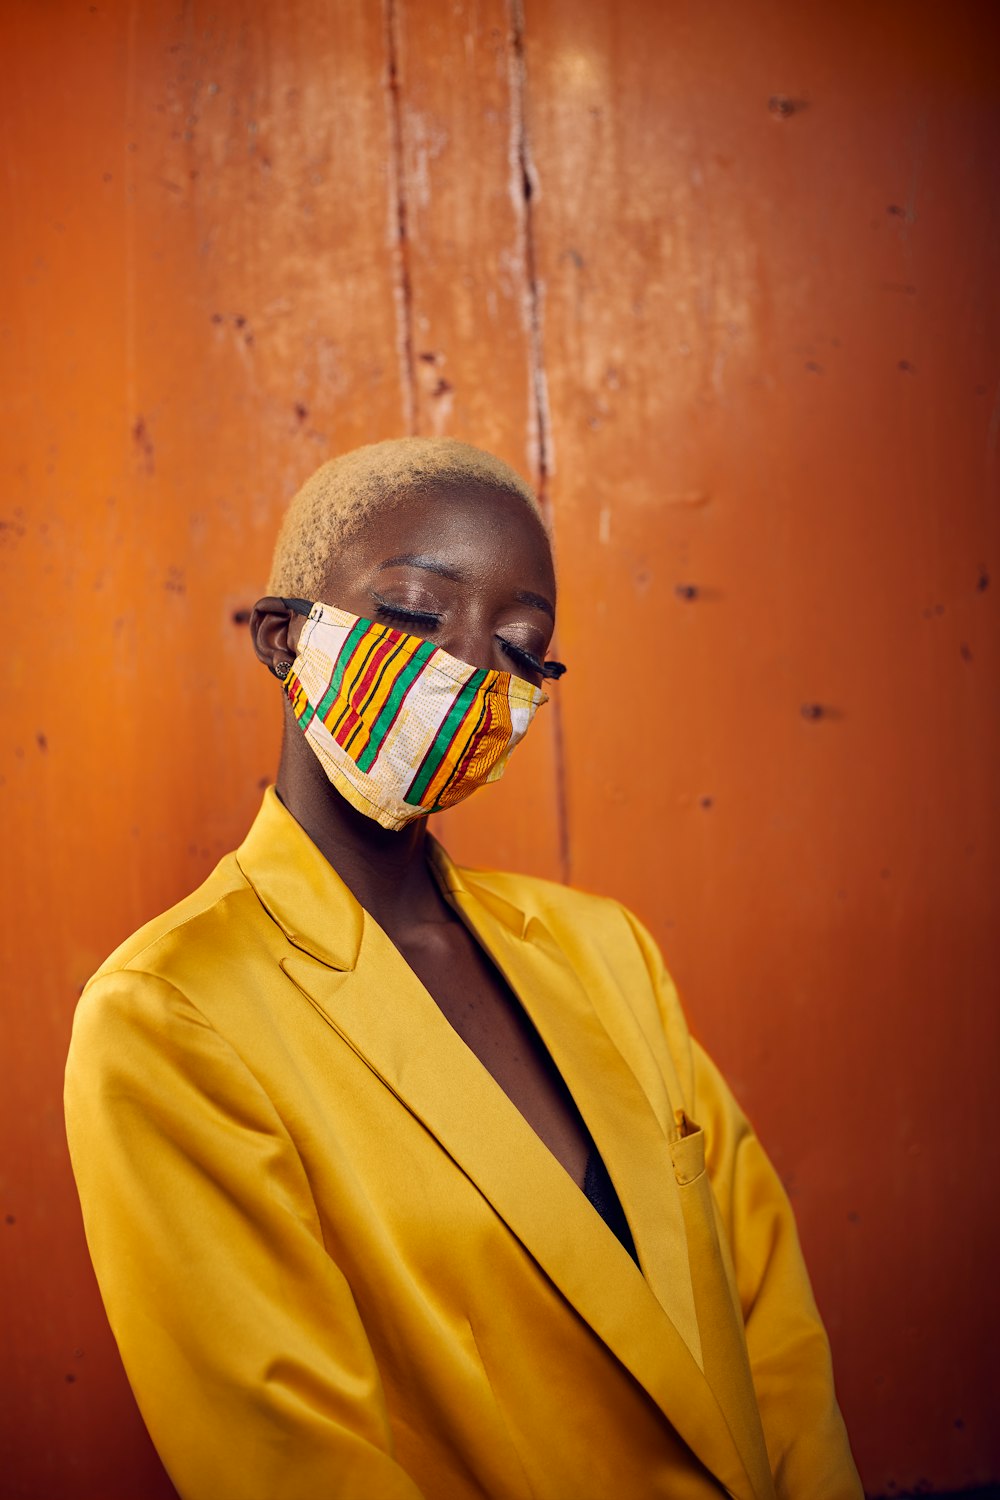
[[522, 657], [398, 616], [549, 670]]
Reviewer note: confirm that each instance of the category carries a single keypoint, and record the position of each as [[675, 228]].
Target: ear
[[274, 629]]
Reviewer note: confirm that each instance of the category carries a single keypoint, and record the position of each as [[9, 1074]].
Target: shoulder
[[580, 918], [613, 955], [199, 963], [594, 933], [188, 1007], [543, 898], [201, 918], [581, 922]]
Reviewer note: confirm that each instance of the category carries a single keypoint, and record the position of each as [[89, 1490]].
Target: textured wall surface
[[721, 279]]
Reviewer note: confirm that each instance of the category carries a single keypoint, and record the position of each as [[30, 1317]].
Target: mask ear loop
[[281, 669]]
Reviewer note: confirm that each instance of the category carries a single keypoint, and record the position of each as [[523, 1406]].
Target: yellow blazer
[[341, 1266]]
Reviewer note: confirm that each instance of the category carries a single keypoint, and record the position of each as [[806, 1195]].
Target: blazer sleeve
[[239, 1334], [789, 1353]]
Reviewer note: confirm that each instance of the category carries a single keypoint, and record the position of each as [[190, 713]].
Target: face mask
[[401, 728]]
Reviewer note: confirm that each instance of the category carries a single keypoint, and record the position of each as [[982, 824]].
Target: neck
[[386, 871]]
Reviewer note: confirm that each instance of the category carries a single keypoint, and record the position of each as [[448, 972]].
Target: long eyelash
[[407, 616], [546, 669], [520, 655]]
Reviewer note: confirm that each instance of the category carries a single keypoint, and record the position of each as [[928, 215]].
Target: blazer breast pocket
[[687, 1152]]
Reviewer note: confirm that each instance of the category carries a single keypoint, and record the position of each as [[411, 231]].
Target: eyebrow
[[538, 600], [432, 565], [429, 564]]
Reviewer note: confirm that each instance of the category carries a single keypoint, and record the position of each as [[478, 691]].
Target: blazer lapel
[[618, 1114], [346, 966]]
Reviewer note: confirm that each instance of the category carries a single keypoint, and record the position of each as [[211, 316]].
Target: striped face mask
[[401, 728]]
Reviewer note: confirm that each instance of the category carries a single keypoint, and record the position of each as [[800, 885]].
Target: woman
[[402, 1180]]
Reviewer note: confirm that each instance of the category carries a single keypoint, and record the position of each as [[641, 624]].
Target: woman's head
[[432, 542]]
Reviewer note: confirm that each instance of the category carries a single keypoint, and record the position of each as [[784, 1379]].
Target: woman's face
[[469, 569]]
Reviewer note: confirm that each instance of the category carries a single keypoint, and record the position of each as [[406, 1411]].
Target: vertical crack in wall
[[402, 289], [523, 190], [524, 183]]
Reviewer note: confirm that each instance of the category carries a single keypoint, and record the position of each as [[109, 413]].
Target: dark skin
[[470, 569]]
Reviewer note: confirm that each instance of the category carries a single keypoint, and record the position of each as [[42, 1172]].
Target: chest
[[481, 1007]]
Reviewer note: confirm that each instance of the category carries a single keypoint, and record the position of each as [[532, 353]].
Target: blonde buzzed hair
[[333, 503]]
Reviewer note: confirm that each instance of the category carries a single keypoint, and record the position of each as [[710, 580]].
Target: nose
[[469, 637], [476, 648]]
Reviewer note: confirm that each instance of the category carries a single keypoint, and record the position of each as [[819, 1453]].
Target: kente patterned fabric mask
[[401, 728]]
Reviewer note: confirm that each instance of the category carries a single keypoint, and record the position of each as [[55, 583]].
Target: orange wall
[[743, 331]]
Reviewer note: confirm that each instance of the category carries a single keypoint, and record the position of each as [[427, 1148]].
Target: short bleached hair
[[333, 504]]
